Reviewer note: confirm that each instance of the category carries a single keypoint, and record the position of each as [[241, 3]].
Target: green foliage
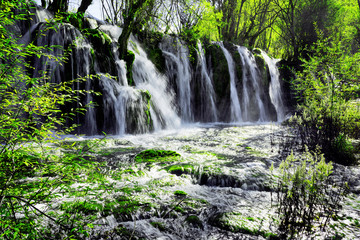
[[305, 194], [209, 23], [32, 167], [326, 90]]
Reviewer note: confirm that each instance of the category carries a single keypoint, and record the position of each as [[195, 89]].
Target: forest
[[180, 119]]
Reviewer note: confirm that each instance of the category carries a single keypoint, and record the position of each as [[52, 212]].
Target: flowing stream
[[220, 186], [223, 176]]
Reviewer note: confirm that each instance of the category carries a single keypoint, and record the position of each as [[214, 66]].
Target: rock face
[[170, 84]]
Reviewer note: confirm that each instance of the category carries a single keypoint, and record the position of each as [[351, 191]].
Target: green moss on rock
[[180, 169], [152, 155], [221, 76], [158, 225], [194, 220], [238, 223], [129, 59], [180, 193]]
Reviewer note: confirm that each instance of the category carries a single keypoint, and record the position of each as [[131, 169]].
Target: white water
[[249, 63], [147, 77], [114, 103], [275, 87], [168, 108], [177, 63], [235, 103], [120, 101], [120, 67], [207, 90]]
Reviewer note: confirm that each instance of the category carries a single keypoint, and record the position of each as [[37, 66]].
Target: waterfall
[[235, 103], [114, 106], [178, 68], [249, 63], [275, 87], [156, 101], [124, 107], [57, 70], [120, 67], [147, 77], [209, 112]]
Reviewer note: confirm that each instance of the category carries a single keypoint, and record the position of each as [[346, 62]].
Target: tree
[[59, 6], [30, 119], [84, 6], [298, 21]]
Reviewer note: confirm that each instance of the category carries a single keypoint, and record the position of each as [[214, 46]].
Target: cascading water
[[147, 77], [178, 68], [80, 62], [208, 110], [275, 87], [113, 103], [173, 100], [249, 63], [120, 68], [235, 103], [123, 106]]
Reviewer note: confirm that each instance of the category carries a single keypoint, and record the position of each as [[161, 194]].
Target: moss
[[238, 68], [155, 55], [263, 67], [179, 209], [152, 155], [158, 225], [194, 220], [151, 42], [221, 76], [102, 44], [238, 223], [129, 59], [180, 169], [180, 193], [195, 203], [146, 96]]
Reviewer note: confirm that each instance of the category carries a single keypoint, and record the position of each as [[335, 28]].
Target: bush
[[31, 167], [306, 196], [327, 112]]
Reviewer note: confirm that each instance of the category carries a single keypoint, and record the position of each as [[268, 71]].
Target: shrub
[[306, 196], [326, 90], [30, 120]]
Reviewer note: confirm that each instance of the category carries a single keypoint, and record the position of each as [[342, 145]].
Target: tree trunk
[[84, 6], [129, 25], [59, 6]]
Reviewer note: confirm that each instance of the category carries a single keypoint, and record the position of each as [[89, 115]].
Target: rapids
[[223, 177]]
